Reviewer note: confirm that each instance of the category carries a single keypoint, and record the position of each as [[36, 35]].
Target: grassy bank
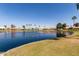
[[68, 46]]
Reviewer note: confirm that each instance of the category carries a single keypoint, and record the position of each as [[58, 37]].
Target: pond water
[[9, 40]]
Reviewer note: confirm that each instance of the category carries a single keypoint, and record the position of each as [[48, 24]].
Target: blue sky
[[41, 14]]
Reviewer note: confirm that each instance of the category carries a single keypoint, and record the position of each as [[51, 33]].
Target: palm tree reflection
[[24, 34], [13, 34]]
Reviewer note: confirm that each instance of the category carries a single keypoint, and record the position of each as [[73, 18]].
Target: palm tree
[[59, 26], [39, 26], [5, 26], [76, 24], [64, 26], [74, 18], [13, 26], [23, 27], [77, 6]]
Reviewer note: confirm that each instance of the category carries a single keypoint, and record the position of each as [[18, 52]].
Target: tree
[[23, 26], [13, 26], [76, 24], [5, 26], [59, 26], [39, 26], [77, 6], [74, 18], [64, 26]]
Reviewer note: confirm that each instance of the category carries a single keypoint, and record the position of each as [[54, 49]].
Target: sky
[[44, 14]]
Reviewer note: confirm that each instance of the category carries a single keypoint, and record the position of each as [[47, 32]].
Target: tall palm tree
[[74, 18], [77, 6]]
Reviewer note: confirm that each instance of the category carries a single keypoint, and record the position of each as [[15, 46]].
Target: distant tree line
[[63, 26]]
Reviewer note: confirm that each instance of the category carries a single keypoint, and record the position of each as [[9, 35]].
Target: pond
[[9, 40]]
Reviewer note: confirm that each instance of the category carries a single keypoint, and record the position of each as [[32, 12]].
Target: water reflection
[[9, 40], [61, 33], [5, 34], [24, 34], [13, 34]]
